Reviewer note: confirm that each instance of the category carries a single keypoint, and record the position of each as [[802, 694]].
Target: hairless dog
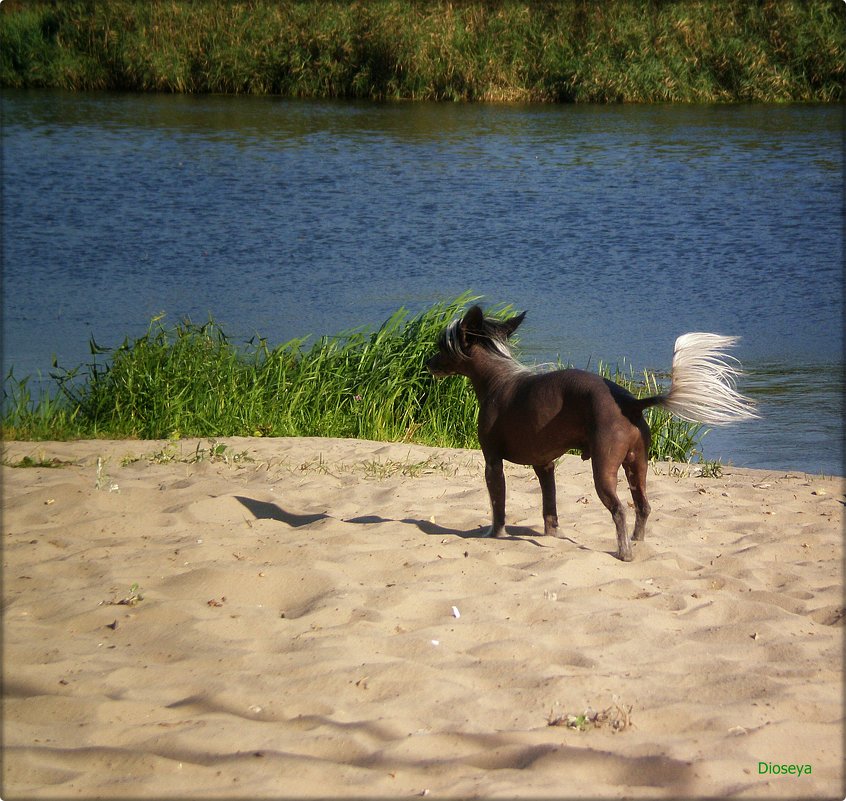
[[532, 418]]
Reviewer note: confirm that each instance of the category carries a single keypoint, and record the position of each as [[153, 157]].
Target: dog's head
[[461, 339]]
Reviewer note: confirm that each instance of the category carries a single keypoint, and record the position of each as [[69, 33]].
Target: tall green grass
[[559, 50], [191, 380]]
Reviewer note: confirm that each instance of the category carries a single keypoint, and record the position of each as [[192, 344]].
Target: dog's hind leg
[[546, 478], [605, 480], [635, 466], [495, 479]]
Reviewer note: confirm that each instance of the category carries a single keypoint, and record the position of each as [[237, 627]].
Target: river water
[[617, 227]]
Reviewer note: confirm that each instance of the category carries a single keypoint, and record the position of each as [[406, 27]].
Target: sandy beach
[[271, 618]]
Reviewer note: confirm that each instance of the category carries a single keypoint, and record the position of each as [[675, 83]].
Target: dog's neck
[[490, 373]]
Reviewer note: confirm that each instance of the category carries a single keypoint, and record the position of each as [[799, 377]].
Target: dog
[[531, 418]]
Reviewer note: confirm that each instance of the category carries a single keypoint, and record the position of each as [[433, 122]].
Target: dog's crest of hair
[[491, 337], [450, 339]]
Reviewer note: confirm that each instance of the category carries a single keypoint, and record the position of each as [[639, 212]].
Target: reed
[[560, 50], [190, 380]]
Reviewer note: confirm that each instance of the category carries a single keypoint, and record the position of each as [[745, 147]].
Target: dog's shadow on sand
[[435, 530], [265, 510]]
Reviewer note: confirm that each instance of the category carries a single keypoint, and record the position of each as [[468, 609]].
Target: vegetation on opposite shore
[[558, 50], [191, 381]]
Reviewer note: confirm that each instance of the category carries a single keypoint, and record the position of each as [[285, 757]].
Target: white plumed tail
[[703, 382]]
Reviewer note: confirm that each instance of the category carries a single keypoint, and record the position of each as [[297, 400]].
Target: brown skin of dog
[[532, 418]]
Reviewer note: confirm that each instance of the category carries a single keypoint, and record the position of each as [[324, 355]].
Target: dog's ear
[[510, 326], [474, 321]]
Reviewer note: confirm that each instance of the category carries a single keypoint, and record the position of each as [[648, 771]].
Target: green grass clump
[[191, 381], [559, 50]]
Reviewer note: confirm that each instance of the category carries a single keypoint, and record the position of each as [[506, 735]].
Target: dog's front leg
[[546, 478], [495, 479]]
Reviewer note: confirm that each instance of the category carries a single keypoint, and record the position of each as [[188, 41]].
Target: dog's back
[[532, 418]]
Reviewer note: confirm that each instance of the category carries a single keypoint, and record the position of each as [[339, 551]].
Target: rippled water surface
[[618, 228]]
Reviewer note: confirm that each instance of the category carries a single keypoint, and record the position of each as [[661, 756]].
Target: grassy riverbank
[[559, 51], [190, 380]]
